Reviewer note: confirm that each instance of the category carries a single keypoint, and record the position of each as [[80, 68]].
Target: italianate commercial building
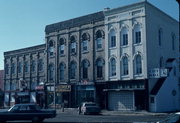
[[123, 59]]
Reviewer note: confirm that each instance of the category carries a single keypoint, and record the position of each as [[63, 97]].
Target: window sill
[[125, 76], [137, 44], [111, 48], [84, 52], [124, 46], [99, 50], [62, 55], [138, 75], [99, 78]]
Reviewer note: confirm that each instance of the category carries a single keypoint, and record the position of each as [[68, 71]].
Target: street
[[122, 117]]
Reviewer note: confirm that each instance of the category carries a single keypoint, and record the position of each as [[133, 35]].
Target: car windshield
[[15, 107], [90, 104]]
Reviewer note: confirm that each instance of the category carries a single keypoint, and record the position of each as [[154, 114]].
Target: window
[[84, 42], [99, 64], [173, 41], [98, 40], [26, 66], [13, 68], [73, 70], [161, 62], [85, 65], [61, 71], [112, 38], [40, 65], [33, 66], [138, 64], [7, 69], [73, 45], [137, 34], [51, 72], [113, 67], [61, 47], [51, 48], [124, 37], [125, 66], [19, 67], [160, 36]]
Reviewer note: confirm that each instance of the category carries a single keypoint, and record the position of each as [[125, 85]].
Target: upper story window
[[99, 39], [84, 42], [124, 37], [73, 45], [112, 38], [51, 48], [137, 34], [19, 67], [173, 38], [113, 67], [13, 67], [73, 68], [161, 62], [99, 67], [160, 34], [85, 65], [51, 72], [62, 46], [138, 64], [125, 65], [33, 66], [7, 69], [26, 66], [40, 64], [62, 71]]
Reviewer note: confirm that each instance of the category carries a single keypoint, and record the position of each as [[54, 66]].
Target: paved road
[[126, 117]]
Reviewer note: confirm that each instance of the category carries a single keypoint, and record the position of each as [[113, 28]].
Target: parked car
[[26, 112], [89, 108]]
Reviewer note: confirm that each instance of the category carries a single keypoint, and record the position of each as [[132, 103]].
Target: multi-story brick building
[[123, 59]]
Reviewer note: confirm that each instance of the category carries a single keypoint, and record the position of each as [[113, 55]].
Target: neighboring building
[[142, 53], [1, 80], [123, 59]]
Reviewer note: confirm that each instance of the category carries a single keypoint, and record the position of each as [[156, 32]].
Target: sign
[[40, 87], [158, 72], [63, 88]]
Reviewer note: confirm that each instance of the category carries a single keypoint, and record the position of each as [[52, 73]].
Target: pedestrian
[[79, 109]]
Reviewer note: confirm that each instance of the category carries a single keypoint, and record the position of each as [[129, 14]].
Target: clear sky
[[22, 22]]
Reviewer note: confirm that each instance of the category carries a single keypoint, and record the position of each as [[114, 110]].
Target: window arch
[[99, 67], [13, 68], [112, 38], [51, 47], [61, 46], [138, 64], [85, 38], [40, 64], [99, 38], [124, 36], [61, 71], [125, 65], [19, 67], [73, 45], [137, 34], [26, 66], [73, 68], [85, 65], [113, 67], [33, 66], [51, 72]]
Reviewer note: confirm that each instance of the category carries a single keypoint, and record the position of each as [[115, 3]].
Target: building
[[123, 59]]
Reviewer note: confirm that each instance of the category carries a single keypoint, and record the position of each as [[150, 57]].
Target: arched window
[[138, 64], [73, 45], [84, 42], [40, 64], [7, 69], [113, 67], [112, 38], [13, 67], [73, 67], [85, 65], [19, 67], [98, 40], [26, 66], [137, 34], [124, 36], [61, 71], [160, 34], [61, 47], [51, 72], [99, 69], [51, 48], [125, 65]]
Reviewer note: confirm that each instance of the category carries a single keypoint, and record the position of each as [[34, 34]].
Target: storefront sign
[[40, 87], [63, 88]]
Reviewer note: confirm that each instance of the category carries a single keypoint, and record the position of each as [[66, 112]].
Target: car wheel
[[35, 120]]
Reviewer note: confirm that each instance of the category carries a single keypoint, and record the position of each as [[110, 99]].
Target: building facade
[[124, 59]]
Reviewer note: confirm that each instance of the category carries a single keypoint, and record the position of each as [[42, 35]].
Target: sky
[[22, 22]]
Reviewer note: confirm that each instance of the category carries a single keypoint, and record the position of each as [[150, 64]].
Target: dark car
[[27, 112], [89, 108]]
